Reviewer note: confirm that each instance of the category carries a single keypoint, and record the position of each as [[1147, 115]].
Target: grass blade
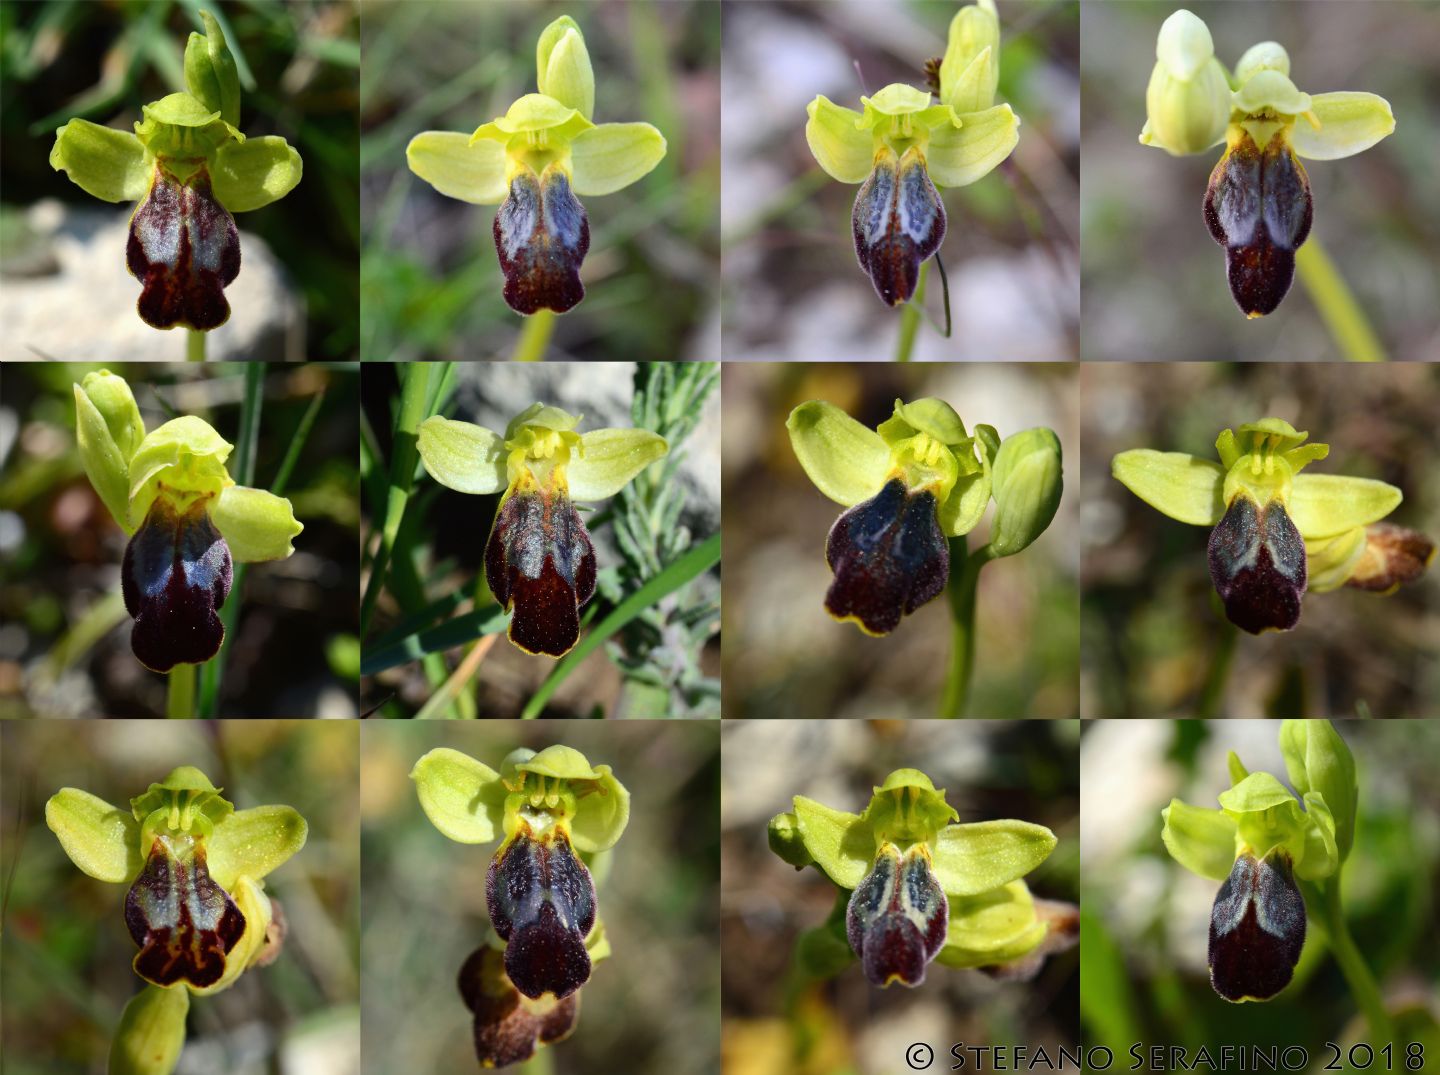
[[462, 629]]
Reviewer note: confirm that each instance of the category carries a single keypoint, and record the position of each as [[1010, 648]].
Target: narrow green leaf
[[455, 632]]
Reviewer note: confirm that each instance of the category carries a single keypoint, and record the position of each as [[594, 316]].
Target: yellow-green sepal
[[108, 164], [992, 927], [1325, 505], [462, 797], [151, 1032], [256, 524], [1201, 840], [187, 453], [838, 141], [251, 174], [1262, 56], [960, 155], [108, 429], [1343, 124], [611, 156], [542, 416], [460, 167], [534, 112], [1185, 487], [896, 99], [254, 842], [1329, 562], [609, 459], [977, 857], [931, 416], [841, 843], [970, 68], [1269, 90], [210, 73], [101, 839], [562, 65], [463, 456], [846, 460]]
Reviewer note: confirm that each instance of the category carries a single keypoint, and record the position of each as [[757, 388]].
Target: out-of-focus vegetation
[[1154, 280], [651, 1007], [298, 65], [784, 656], [1156, 641], [67, 953], [792, 287], [64, 633], [988, 769], [1145, 918], [431, 281]]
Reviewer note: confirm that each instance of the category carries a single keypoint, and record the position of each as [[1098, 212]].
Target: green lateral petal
[[840, 843], [1256, 793], [108, 164], [965, 506], [929, 415], [1203, 841], [1324, 505], [610, 459], [1317, 759], [151, 1032], [1329, 562], [256, 524], [1237, 769], [840, 147], [1321, 857], [462, 797], [1350, 123], [459, 168], [251, 174], [103, 840], [959, 156], [1269, 90], [562, 66], [847, 461], [992, 927], [463, 456], [896, 99], [970, 859], [104, 462], [251, 843], [1182, 486], [610, 157]]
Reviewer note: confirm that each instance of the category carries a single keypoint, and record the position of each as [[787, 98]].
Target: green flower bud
[[210, 73], [151, 1032], [1027, 484], [1318, 761], [109, 430], [1187, 103], [563, 66]]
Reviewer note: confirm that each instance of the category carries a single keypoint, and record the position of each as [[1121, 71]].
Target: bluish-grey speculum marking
[[542, 236], [1257, 928], [898, 221], [889, 556], [175, 576], [1258, 207], [184, 249], [540, 561], [897, 917], [1257, 562], [542, 904], [184, 923]]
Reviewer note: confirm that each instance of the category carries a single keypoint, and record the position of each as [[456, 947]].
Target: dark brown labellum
[[542, 904], [1257, 562], [507, 1026], [540, 562], [1258, 207], [889, 556], [542, 236], [1257, 928], [898, 222], [184, 923], [897, 917], [176, 574], [184, 249]]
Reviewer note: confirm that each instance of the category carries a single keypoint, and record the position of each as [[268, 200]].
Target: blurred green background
[[1149, 263], [430, 278], [651, 1008], [988, 769], [1155, 636], [784, 656], [298, 62], [792, 287], [1146, 918], [67, 953], [65, 644]]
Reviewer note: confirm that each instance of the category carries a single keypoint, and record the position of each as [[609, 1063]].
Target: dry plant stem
[[960, 592], [451, 688], [910, 318], [180, 693], [535, 337], [194, 346], [1339, 309]]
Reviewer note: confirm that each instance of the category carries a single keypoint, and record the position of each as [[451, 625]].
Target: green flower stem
[[964, 578], [1363, 986], [1341, 311], [180, 696], [910, 317], [535, 337], [194, 346], [1213, 692]]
